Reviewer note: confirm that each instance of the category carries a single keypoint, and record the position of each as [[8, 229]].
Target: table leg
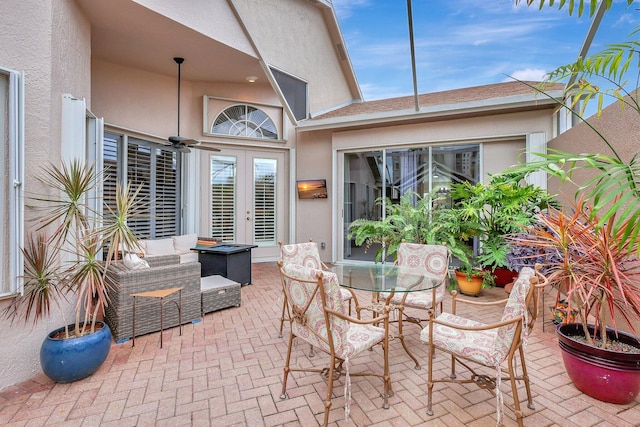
[[133, 328]]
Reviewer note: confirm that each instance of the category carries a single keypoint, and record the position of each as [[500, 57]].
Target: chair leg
[[453, 368], [525, 378], [514, 390], [401, 336], [282, 318], [283, 395], [327, 402], [430, 381]]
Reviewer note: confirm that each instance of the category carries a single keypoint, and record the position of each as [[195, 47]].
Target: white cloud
[[344, 8], [528, 74]]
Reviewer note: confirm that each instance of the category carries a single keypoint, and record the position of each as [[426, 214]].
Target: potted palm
[[598, 244], [64, 258]]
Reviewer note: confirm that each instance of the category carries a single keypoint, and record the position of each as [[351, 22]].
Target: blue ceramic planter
[[68, 360]]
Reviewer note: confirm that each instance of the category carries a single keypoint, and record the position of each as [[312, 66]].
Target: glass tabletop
[[382, 278]]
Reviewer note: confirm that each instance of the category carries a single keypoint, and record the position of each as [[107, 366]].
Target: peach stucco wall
[[304, 50], [503, 138], [53, 51]]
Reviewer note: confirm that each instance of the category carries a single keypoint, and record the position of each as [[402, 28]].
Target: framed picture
[[312, 189]]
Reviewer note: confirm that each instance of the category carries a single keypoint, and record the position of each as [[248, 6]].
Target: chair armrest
[[484, 327], [383, 317], [456, 300]]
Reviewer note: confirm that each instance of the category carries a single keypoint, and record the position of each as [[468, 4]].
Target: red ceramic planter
[[503, 276], [609, 376]]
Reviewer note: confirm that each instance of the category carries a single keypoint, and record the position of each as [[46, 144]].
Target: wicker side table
[[218, 292]]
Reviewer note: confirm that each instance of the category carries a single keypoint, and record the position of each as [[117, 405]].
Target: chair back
[[431, 261], [517, 305], [308, 292], [305, 254]]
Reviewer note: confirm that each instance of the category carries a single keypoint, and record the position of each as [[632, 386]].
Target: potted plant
[[63, 258], [596, 268], [489, 212], [598, 244], [414, 219]]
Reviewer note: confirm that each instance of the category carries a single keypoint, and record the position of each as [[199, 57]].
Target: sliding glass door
[[374, 178]]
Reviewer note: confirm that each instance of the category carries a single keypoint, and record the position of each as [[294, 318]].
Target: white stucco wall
[[53, 50]]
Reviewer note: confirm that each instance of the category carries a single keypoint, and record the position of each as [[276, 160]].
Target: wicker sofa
[[164, 272]]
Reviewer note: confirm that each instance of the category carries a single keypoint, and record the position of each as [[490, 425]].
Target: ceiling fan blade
[[187, 141], [184, 149], [202, 147]]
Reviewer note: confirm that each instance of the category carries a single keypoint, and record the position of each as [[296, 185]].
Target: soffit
[[127, 33]]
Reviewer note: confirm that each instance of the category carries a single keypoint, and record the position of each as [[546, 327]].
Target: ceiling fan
[[183, 144]]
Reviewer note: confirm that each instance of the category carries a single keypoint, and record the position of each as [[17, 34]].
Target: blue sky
[[463, 43]]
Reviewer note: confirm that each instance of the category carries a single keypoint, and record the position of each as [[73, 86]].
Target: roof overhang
[[508, 104]]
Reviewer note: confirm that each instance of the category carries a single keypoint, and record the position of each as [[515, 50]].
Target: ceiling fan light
[[252, 79]]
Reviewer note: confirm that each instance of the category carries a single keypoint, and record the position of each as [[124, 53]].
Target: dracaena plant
[[594, 265], [64, 257]]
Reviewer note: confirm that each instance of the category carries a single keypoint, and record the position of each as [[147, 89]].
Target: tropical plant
[[414, 219], [493, 210], [592, 265], [69, 259]]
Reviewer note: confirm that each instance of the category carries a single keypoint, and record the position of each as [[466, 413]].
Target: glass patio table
[[388, 278]]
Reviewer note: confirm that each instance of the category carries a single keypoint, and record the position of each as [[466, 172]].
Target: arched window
[[246, 121]]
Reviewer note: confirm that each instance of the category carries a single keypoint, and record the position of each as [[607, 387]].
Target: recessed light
[[252, 79]]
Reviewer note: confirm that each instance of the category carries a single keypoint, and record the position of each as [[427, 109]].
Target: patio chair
[[318, 317], [488, 345], [430, 261], [307, 254]]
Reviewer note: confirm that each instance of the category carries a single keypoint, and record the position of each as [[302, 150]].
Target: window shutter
[[264, 205], [223, 194]]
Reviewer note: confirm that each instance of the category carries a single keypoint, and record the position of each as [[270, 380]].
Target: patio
[[227, 370]]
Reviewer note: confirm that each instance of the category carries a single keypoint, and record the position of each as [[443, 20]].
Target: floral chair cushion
[[516, 306], [414, 259], [475, 345], [488, 347], [306, 254], [349, 338]]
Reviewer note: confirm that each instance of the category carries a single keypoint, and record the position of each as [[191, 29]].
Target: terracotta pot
[[606, 375], [471, 287]]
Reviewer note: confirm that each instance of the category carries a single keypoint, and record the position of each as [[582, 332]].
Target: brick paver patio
[[227, 370]]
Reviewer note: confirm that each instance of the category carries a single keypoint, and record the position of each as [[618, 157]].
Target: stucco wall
[[147, 102], [621, 128], [53, 50], [313, 216], [304, 50], [503, 138]]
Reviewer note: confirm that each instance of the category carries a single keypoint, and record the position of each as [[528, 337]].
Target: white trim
[[536, 143], [74, 132], [292, 196], [15, 176]]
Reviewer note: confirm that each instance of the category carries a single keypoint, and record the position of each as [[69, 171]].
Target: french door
[[246, 194]]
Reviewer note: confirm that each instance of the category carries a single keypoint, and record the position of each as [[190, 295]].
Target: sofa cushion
[[190, 257], [159, 247], [183, 244], [134, 262]]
